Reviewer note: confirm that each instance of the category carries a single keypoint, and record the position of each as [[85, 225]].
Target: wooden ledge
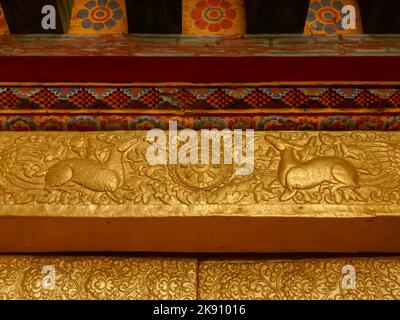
[[309, 192], [129, 59], [278, 45]]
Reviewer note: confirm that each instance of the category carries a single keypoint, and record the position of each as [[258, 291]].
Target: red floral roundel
[[214, 15]]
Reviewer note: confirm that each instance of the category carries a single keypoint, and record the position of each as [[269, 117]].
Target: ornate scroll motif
[[101, 277], [87, 278], [298, 279], [354, 170]]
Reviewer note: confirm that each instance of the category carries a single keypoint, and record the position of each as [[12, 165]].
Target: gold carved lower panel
[[312, 174], [189, 278], [299, 279], [305, 192], [88, 278]]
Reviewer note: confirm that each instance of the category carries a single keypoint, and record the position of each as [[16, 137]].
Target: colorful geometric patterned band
[[186, 98], [258, 107]]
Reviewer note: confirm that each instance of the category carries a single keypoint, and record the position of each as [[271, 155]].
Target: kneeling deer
[[295, 174]]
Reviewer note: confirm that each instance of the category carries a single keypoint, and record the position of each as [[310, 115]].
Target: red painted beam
[[119, 69]]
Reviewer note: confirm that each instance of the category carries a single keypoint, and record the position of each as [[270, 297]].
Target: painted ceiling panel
[[165, 16]]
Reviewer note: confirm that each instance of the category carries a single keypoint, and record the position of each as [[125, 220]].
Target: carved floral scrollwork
[[298, 279], [88, 278], [107, 277], [111, 169]]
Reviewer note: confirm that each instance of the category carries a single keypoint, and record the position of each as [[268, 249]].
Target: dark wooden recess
[[272, 16], [154, 16], [25, 16], [380, 16]]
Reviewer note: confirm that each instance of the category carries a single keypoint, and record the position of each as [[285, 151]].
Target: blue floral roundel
[[99, 14], [325, 15]]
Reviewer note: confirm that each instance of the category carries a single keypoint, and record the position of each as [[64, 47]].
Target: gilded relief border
[[148, 278], [97, 277], [299, 279], [106, 174]]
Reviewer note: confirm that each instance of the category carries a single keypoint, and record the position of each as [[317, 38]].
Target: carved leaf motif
[[309, 150]]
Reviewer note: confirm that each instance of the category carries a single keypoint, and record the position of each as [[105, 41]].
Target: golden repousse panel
[[87, 278], [324, 174], [375, 278], [115, 278]]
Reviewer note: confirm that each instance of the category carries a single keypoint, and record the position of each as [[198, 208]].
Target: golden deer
[[105, 177], [295, 174]]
